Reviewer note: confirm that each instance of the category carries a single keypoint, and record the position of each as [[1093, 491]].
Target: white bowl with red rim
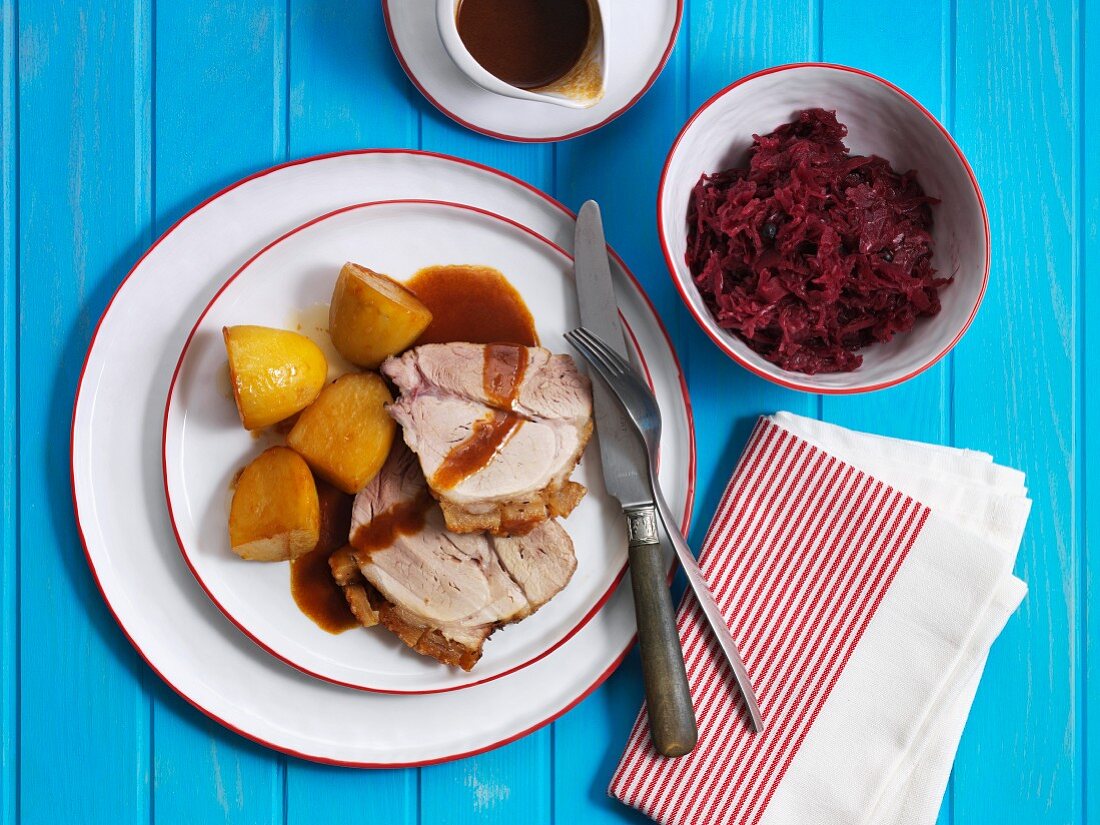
[[882, 120]]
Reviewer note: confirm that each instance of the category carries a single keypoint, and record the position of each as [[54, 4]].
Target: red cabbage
[[810, 253]]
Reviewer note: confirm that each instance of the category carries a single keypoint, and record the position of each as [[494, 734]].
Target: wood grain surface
[[117, 116]]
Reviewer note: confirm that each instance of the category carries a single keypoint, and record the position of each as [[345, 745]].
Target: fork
[[641, 408]]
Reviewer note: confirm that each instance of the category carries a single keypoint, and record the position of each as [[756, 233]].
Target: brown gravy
[[472, 303], [311, 582], [527, 43], [400, 520]]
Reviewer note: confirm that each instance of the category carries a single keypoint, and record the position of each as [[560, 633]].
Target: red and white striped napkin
[[864, 579]]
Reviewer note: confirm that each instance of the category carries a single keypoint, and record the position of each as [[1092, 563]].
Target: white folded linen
[[864, 579]]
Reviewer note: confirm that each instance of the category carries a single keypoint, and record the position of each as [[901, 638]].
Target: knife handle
[[671, 716]]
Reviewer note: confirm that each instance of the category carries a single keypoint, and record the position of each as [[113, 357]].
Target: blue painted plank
[[9, 428], [83, 717], [532, 162], [619, 166], [319, 793], [220, 110], [220, 103], [1016, 385], [919, 409], [588, 743], [507, 785], [1087, 335], [347, 91]]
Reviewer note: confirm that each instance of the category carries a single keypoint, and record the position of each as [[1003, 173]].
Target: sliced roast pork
[[442, 593], [497, 428]]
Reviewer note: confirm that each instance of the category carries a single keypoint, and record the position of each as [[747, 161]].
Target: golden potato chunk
[[275, 373], [346, 434], [275, 513], [372, 316]]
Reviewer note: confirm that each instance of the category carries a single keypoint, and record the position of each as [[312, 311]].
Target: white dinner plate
[[205, 445], [119, 493], [640, 37]]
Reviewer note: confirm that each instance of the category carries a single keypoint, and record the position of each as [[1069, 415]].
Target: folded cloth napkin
[[864, 579]]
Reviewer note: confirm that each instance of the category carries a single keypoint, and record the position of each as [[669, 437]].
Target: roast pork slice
[[497, 428], [444, 593]]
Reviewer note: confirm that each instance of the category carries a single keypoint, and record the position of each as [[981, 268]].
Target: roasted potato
[[275, 515], [346, 434], [372, 316], [275, 373]]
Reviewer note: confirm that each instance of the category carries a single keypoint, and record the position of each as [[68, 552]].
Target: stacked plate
[[155, 442]]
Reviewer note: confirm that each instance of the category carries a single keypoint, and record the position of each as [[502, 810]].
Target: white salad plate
[[118, 481], [205, 444], [639, 38]]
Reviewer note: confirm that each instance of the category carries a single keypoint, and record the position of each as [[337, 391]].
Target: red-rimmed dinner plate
[[640, 36], [205, 446], [118, 483]]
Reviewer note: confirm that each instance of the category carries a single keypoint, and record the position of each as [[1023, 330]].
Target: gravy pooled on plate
[[472, 303], [311, 582]]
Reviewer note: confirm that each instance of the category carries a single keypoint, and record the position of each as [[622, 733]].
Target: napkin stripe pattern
[[799, 555]]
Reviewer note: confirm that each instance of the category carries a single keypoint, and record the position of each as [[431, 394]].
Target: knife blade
[[626, 477], [621, 449]]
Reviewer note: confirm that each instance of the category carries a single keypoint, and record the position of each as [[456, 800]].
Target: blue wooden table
[[116, 116]]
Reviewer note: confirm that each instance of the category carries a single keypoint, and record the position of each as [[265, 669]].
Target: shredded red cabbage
[[810, 254]]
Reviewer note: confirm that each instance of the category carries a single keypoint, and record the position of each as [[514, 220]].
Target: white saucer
[[118, 488], [204, 444], [640, 40]]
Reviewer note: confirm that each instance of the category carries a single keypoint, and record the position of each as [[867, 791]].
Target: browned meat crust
[[515, 518], [370, 607], [357, 590], [429, 641]]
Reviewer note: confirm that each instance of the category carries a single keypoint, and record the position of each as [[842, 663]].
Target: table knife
[[626, 476]]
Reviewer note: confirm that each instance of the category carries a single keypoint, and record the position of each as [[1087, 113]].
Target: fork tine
[[628, 378], [599, 350], [580, 343], [609, 355], [627, 385], [582, 340]]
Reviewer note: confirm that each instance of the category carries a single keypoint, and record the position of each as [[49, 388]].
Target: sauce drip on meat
[[400, 520], [465, 459], [472, 303], [505, 365], [311, 582], [527, 43]]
